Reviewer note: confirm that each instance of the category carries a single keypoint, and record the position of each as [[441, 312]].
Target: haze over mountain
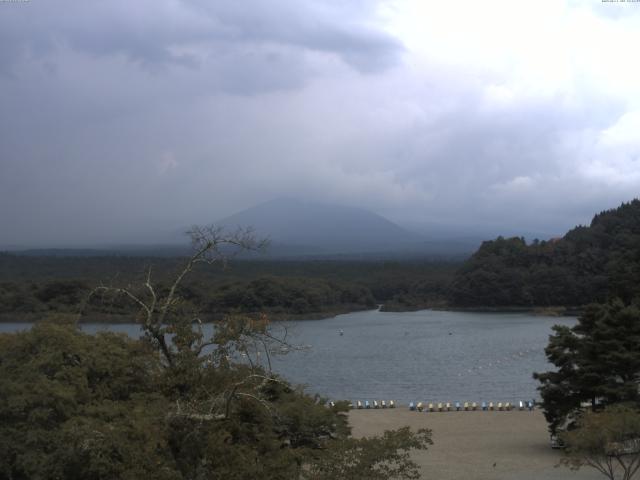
[[297, 227], [316, 228], [301, 228]]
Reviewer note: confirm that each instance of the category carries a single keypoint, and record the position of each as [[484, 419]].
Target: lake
[[410, 356]]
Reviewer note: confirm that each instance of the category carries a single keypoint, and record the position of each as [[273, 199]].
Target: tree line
[[33, 286], [592, 263], [591, 398]]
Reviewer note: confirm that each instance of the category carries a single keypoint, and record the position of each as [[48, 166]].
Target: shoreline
[[311, 316], [553, 311], [211, 318]]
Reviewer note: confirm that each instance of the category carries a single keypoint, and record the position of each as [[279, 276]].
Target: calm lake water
[[410, 356]]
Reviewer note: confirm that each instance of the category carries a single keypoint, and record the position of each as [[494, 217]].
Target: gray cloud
[[226, 40], [123, 121]]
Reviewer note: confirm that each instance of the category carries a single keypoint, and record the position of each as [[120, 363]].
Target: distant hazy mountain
[[301, 229], [314, 228]]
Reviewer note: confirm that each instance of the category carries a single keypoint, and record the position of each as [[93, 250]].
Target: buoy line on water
[[500, 363]]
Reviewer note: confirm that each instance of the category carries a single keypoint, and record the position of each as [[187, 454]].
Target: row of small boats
[[447, 406], [374, 404], [471, 406]]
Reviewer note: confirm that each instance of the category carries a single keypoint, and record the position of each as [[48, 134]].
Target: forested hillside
[[589, 264], [33, 286]]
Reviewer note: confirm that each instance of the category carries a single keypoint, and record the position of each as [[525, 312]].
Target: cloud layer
[[123, 120]]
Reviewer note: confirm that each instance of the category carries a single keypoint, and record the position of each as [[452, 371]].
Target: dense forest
[[589, 264], [33, 286]]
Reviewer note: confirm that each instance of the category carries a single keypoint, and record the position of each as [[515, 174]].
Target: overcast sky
[[119, 117]]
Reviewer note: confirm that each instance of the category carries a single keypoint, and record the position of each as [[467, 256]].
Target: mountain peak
[[324, 228]]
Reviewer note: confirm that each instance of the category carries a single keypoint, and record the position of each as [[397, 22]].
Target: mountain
[[316, 229], [589, 264], [301, 229]]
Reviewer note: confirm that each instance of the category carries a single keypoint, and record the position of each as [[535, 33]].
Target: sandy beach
[[476, 445]]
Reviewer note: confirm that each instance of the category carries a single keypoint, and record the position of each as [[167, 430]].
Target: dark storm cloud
[[234, 42]]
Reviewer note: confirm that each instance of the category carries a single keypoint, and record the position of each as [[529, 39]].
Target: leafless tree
[[235, 339]]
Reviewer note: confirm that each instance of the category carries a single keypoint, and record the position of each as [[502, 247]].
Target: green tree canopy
[[592, 263], [597, 360], [174, 404], [607, 441]]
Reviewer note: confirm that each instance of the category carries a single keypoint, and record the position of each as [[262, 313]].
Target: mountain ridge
[[323, 228]]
